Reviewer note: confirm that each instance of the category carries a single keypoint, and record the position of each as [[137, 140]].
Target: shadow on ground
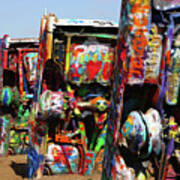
[[20, 169]]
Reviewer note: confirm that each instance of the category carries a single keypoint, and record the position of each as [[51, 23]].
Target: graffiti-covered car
[[18, 73], [75, 76]]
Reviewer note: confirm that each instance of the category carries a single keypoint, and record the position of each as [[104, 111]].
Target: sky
[[21, 18]]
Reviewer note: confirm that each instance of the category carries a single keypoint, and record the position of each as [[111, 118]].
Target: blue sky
[[21, 18]]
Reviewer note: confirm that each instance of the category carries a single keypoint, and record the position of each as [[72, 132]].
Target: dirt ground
[[14, 168]]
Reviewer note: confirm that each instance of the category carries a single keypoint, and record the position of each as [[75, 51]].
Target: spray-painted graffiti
[[154, 56], [30, 63], [91, 63], [99, 160], [62, 158], [176, 61], [172, 88], [1, 64], [4, 133], [135, 123], [85, 22], [174, 74], [139, 20], [57, 102], [13, 61], [59, 55], [18, 65], [52, 101], [77, 138], [89, 162], [22, 116], [18, 141], [121, 171], [166, 4], [9, 96]]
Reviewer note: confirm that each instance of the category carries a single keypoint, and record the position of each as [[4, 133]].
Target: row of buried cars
[[55, 93], [83, 92]]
